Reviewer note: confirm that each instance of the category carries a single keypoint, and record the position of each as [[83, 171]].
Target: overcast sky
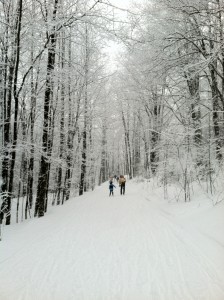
[[121, 3], [114, 48]]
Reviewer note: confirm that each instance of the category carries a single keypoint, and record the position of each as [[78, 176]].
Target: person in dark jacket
[[122, 182], [111, 188]]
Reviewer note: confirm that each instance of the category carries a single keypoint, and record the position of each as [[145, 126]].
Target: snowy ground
[[132, 247]]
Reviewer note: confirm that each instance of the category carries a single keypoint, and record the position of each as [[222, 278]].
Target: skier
[[111, 188], [122, 182]]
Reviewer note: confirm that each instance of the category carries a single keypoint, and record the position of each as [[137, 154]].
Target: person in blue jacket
[[111, 188]]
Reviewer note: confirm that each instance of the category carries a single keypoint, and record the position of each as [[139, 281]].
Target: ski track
[[106, 248]]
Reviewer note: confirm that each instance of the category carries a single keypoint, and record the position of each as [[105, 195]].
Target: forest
[[72, 114]]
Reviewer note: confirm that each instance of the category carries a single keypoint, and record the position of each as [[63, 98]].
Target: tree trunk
[[127, 146], [103, 172], [193, 86], [33, 88], [8, 170], [43, 178], [154, 156], [62, 122], [82, 184]]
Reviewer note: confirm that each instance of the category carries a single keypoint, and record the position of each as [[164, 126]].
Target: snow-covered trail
[[101, 248]]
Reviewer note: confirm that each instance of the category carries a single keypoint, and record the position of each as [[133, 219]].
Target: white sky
[[121, 3], [114, 48]]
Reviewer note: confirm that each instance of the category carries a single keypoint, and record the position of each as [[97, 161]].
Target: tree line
[[68, 121], [52, 84], [171, 89]]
